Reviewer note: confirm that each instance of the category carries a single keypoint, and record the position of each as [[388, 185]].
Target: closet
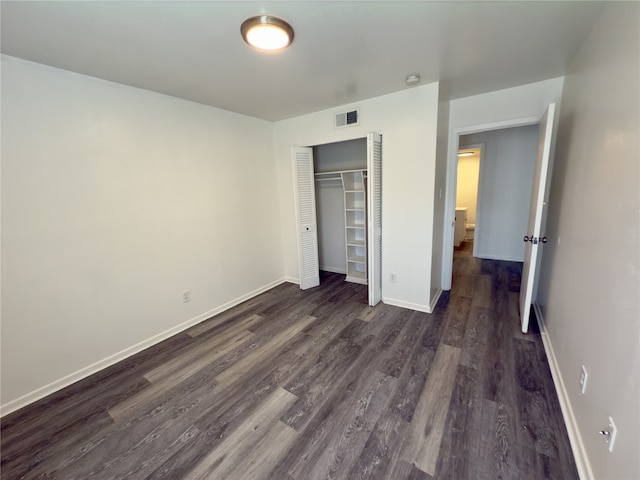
[[338, 193], [342, 216]]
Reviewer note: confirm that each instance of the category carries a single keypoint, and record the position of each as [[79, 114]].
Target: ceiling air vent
[[347, 119]]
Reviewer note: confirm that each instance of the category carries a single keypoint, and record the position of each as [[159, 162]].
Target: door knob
[[535, 240]]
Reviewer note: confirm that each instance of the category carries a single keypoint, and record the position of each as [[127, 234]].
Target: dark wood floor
[[315, 385]]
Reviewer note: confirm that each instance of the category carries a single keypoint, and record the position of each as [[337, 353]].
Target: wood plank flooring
[[295, 385]]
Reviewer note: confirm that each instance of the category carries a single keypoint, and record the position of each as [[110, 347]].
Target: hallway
[[505, 372]]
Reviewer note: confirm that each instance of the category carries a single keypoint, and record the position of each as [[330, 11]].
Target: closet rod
[[329, 179], [336, 172]]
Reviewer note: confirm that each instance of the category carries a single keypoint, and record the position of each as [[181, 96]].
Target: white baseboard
[[67, 380], [577, 446], [411, 306], [334, 270], [292, 280], [434, 300]]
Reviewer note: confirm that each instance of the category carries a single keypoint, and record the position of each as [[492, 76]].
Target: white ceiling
[[343, 52]]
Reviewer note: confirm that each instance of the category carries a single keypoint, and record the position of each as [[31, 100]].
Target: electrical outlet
[[186, 296], [583, 379], [392, 277]]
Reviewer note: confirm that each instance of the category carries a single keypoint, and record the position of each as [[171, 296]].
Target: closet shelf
[[328, 179], [357, 259], [357, 277], [355, 222], [356, 243]]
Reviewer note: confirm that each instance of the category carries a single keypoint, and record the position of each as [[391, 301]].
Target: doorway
[[467, 192], [535, 185], [356, 189], [505, 178]]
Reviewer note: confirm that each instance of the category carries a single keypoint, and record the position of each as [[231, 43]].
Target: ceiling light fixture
[[267, 32], [465, 154]]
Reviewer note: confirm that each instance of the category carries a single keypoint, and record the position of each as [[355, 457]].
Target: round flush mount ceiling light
[[267, 32]]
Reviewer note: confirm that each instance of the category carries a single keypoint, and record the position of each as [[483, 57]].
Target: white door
[[305, 203], [532, 237], [374, 217]]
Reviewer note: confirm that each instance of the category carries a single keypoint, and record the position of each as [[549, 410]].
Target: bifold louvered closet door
[[305, 200], [374, 216]]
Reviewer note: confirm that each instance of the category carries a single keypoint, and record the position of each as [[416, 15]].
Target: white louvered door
[[374, 216], [305, 203]]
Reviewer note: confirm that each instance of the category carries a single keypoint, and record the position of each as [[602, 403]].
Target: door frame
[[451, 185]]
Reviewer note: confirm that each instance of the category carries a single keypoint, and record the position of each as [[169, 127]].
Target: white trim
[[577, 446], [292, 280], [434, 300], [411, 306], [486, 127], [67, 380]]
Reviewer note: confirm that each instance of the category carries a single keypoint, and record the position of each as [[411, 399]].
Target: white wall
[[499, 108], [439, 196], [332, 246], [590, 274], [347, 155], [467, 185], [114, 201], [407, 122], [505, 190], [510, 107]]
